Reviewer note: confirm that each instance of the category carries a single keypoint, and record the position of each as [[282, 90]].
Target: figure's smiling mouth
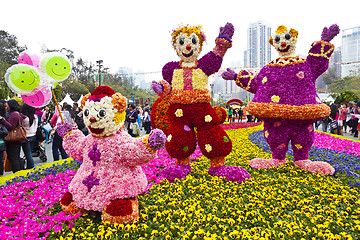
[[96, 130], [187, 55], [57, 73], [285, 49]]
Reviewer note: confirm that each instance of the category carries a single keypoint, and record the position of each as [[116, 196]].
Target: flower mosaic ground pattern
[[276, 203]]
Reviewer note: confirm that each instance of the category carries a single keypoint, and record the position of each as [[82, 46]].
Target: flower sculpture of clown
[[110, 177], [286, 99], [186, 83]]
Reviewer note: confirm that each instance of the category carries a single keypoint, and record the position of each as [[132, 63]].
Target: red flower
[[66, 199], [120, 207]]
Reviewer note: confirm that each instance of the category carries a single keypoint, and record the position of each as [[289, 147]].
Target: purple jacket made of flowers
[[285, 88], [190, 85], [110, 169]]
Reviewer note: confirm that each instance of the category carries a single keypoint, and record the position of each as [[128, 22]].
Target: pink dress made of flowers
[[110, 169]]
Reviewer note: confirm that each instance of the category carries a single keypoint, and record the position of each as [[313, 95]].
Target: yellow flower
[[275, 98], [264, 80], [266, 134], [179, 112], [298, 146]]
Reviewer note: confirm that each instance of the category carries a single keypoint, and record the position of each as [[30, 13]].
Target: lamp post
[[99, 62], [212, 93]]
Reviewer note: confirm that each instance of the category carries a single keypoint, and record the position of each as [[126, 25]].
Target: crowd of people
[[343, 118], [237, 113], [12, 115]]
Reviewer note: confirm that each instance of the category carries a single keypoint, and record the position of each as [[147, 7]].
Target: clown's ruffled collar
[[281, 62]]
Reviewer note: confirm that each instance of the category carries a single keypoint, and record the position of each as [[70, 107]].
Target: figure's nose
[[283, 44], [188, 47], [92, 119]]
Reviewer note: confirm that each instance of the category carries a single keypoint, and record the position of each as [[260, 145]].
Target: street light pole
[[212, 93], [99, 65]]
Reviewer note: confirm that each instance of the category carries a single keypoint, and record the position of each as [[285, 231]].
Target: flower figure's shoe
[[179, 171], [68, 205], [261, 163], [232, 173], [122, 211], [315, 167]]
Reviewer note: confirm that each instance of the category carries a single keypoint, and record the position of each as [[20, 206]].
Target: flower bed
[[277, 203]]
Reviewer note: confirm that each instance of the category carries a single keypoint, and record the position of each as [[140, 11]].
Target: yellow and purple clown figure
[[186, 83], [286, 99]]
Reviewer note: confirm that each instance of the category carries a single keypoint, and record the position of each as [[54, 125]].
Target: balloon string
[[57, 105]]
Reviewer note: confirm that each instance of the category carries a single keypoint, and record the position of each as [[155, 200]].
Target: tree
[[329, 76], [9, 48], [348, 95]]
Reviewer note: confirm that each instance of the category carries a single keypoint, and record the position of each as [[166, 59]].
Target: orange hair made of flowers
[[281, 29]]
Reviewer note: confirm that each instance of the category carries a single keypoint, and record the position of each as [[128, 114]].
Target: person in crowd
[[240, 113], [80, 120], [235, 114], [30, 123], [68, 116], [343, 115], [13, 148], [356, 119], [2, 141], [350, 118], [140, 114], [325, 123], [46, 116], [132, 116], [334, 113], [230, 113], [146, 119]]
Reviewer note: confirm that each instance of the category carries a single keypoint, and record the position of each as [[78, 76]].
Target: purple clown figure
[[286, 99]]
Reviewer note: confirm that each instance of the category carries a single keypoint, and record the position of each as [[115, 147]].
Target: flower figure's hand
[[329, 33], [227, 31], [229, 74], [157, 139], [157, 87], [63, 128]]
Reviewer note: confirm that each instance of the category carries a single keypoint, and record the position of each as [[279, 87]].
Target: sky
[[136, 34]]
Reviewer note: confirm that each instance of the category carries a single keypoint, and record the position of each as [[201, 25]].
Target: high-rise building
[[258, 52], [335, 62], [350, 51]]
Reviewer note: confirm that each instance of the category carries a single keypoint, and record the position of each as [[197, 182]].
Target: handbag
[[3, 131], [40, 134], [17, 134], [333, 124]]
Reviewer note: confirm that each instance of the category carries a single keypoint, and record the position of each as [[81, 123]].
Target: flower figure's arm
[[210, 63], [244, 79], [321, 51], [142, 150], [161, 88], [73, 144]]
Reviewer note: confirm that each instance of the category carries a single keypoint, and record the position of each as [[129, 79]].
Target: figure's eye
[[193, 40], [287, 36], [277, 38], [102, 113], [86, 112], [181, 41]]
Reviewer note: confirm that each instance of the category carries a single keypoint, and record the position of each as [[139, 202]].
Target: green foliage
[[348, 95], [9, 48], [346, 83]]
